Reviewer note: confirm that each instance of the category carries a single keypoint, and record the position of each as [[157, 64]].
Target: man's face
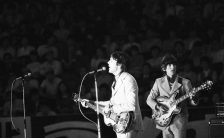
[[170, 69], [112, 63]]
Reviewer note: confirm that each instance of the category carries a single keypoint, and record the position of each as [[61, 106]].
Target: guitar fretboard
[[93, 106], [112, 115], [189, 94]]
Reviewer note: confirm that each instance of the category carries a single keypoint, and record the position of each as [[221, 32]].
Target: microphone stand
[[24, 108], [97, 107]]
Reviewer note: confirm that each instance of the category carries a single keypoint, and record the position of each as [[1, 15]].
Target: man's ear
[[120, 65], [163, 68]]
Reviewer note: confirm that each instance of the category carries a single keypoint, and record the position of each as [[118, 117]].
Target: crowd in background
[[59, 41]]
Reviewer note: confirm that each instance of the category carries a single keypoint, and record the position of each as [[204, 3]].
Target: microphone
[[24, 76], [101, 69]]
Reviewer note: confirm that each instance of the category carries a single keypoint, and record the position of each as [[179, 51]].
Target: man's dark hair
[[121, 58], [168, 59]]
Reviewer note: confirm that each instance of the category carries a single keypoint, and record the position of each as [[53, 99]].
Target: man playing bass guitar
[[167, 86], [124, 98]]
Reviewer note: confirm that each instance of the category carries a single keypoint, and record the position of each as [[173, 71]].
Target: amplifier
[[219, 120], [220, 109], [216, 127]]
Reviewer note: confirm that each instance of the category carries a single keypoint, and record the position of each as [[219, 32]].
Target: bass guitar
[[121, 123], [163, 119]]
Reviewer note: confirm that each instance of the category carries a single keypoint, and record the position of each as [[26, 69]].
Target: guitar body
[[108, 121], [121, 123], [124, 123], [162, 119]]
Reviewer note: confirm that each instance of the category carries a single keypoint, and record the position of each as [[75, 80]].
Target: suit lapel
[[165, 84], [177, 84], [118, 84]]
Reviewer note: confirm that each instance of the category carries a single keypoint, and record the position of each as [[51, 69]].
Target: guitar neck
[[111, 115], [182, 98], [93, 106]]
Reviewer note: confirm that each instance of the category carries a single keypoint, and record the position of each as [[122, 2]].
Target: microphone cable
[[11, 103], [80, 88]]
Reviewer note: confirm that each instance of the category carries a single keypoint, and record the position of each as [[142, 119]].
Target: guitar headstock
[[75, 97], [206, 85]]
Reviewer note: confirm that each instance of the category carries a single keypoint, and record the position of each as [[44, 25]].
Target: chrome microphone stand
[[24, 108], [97, 107]]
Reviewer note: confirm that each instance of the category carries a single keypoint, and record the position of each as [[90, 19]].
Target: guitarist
[[124, 94], [166, 86]]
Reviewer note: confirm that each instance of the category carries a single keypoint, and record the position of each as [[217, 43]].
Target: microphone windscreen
[[104, 68]]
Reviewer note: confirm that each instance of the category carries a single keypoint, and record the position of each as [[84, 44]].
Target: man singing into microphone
[[124, 95]]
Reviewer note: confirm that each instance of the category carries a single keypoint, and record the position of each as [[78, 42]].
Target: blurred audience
[[60, 43]]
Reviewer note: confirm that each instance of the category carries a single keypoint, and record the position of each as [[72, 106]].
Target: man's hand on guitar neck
[[192, 94], [84, 103], [193, 98]]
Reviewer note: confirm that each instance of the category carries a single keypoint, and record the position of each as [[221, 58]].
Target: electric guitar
[[121, 123], [164, 118]]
